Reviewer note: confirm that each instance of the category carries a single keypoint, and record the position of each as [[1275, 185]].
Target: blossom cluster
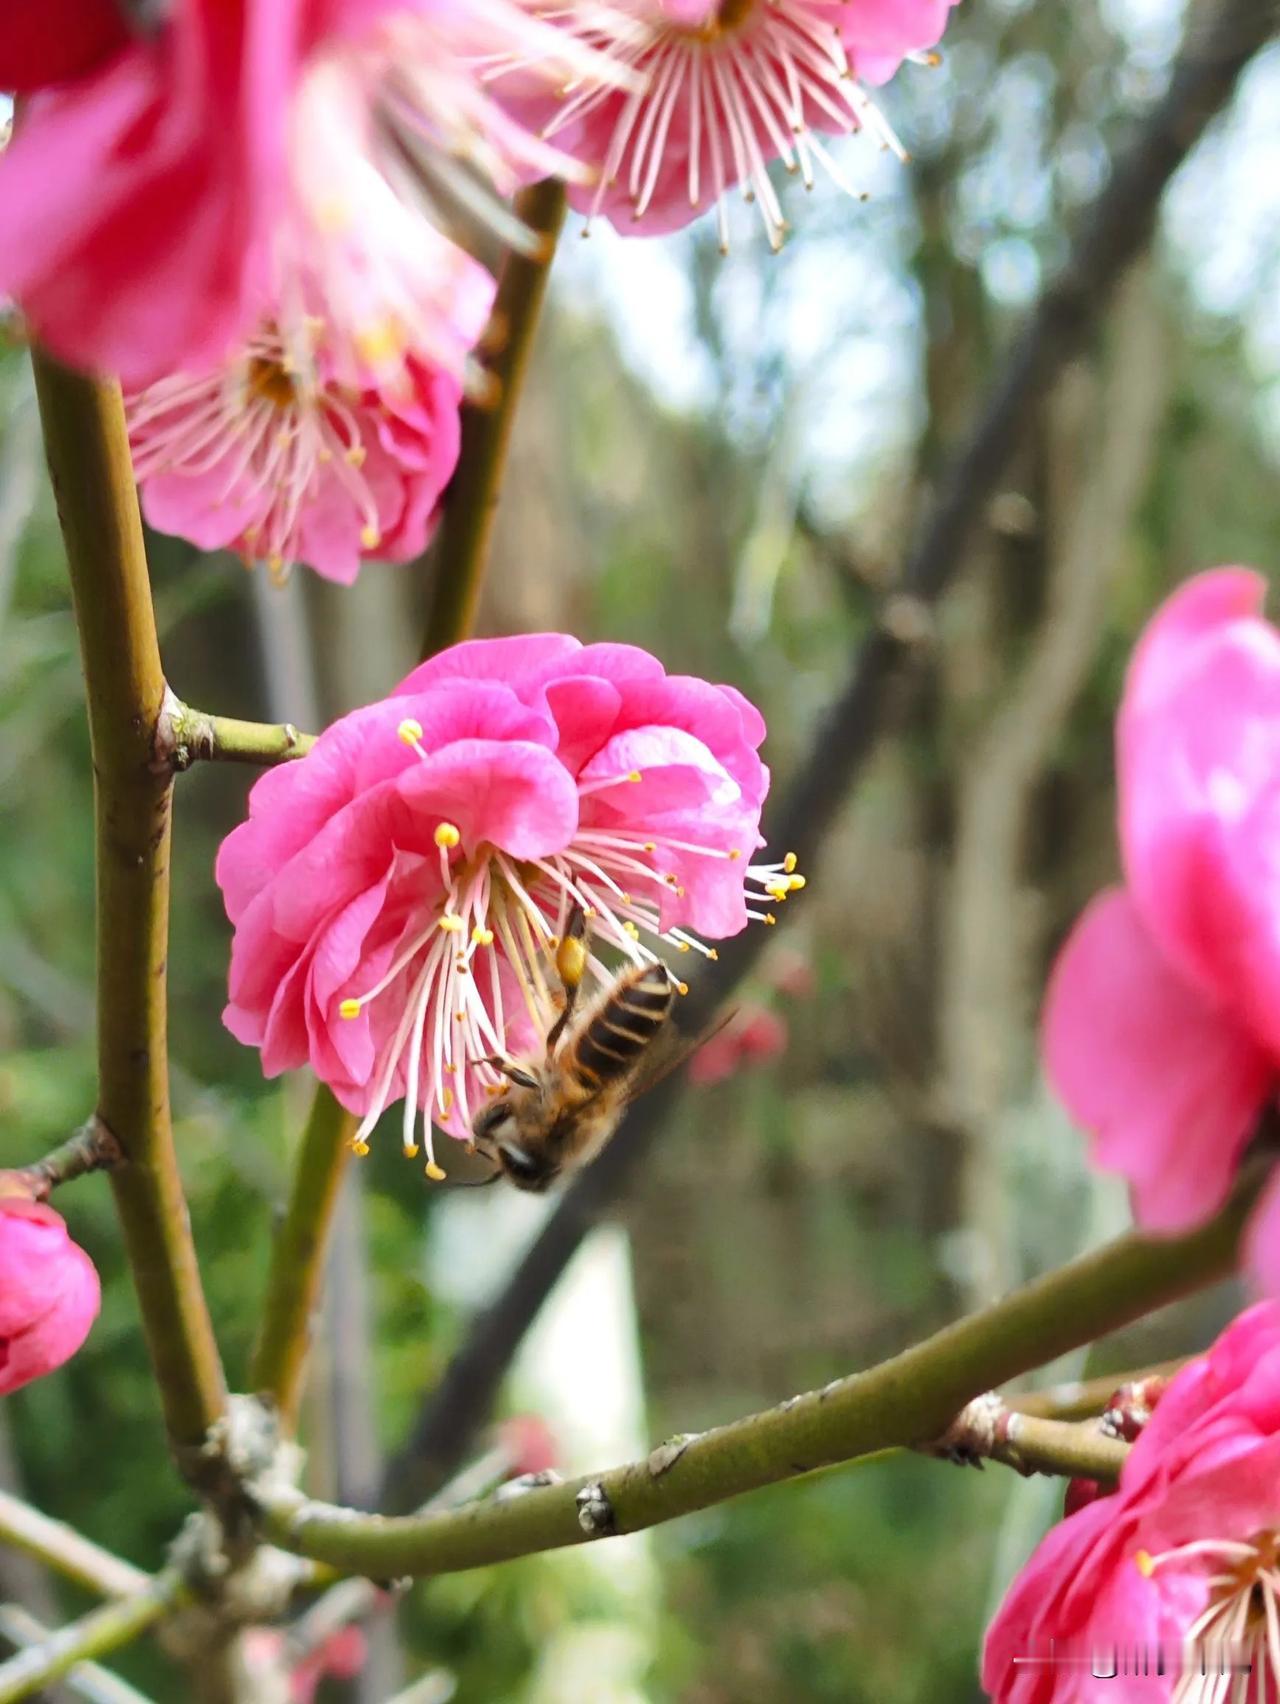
[[261, 214]]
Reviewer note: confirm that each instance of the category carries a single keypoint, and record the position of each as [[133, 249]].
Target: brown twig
[[92, 1148]]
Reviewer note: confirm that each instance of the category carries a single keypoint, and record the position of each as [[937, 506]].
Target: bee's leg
[[571, 965], [514, 1072]]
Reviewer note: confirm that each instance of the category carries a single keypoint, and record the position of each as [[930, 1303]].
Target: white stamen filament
[[1239, 1626]]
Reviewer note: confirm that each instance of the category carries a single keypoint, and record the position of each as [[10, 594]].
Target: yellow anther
[[446, 1105], [789, 862], [436, 1173], [1145, 1563], [670, 880], [551, 943], [712, 953], [625, 898], [349, 1009], [458, 1017], [682, 987], [779, 890], [735, 852], [355, 456], [682, 946], [635, 775], [629, 928], [449, 1069], [589, 911], [359, 1146], [651, 845], [769, 917], [370, 538], [410, 730], [447, 834], [451, 923], [379, 343], [411, 1150], [797, 882], [571, 960], [482, 937]]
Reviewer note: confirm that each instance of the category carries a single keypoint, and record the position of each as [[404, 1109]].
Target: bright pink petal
[[52, 41], [1169, 1084]]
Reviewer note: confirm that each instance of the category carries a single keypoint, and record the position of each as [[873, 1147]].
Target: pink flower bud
[[49, 1292]]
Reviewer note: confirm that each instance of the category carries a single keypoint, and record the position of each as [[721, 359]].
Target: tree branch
[[95, 1685], [68, 1552], [472, 499], [92, 1148], [911, 1400], [1113, 233], [188, 736], [102, 1630], [88, 455], [279, 1360]]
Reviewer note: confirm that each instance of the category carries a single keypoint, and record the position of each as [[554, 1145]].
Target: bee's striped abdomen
[[611, 1042]]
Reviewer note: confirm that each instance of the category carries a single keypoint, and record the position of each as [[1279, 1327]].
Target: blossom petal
[[1169, 1083]]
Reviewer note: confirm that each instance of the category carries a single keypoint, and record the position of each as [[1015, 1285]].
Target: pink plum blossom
[[284, 464], [397, 894], [254, 151], [726, 88], [753, 1036], [49, 1291], [52, 41], [1180, 1562], [1162, 1021]]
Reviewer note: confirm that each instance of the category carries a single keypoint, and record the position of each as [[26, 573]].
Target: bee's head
[[500, 1129]]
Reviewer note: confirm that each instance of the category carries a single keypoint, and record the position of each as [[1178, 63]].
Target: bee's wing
[[669, 1050]]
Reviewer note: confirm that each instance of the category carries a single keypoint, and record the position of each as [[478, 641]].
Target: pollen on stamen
[[435, 1172], [788, 863], [410, 731], [447, 834], [370, 538], [481, 937], [359, 1146], [411, 1150], [350, 1008], [682, 987], [451, 923], [735, 852], [635, 775], [1145, 1563]]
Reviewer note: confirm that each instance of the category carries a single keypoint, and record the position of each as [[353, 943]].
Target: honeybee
[[560, 1110]]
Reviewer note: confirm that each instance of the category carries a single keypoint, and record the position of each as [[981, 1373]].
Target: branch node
[[595, 1511], [972, 1436]]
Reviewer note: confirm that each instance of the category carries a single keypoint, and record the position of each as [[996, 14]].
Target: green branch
[[88, 455], [88, 1681], [279, 1360], [102, 1630], [188, 736], [472, 499], [66, 1551], [909, 1400]]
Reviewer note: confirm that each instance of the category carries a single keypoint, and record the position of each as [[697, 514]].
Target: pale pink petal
[[1168, 1084]]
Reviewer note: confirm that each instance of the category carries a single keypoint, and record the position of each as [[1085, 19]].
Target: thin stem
[[92, 1148], [102, 1630], [190, 736], [1113, 231], [1077, 1399], [88, 454], [472, 502], [95, 1685], [279, 1359], [1073, 1449], [279, 1363], [66, 1551], [909, 1400]]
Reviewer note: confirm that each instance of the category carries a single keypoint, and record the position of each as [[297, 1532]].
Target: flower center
[[1232, 1648], [490, 938]]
